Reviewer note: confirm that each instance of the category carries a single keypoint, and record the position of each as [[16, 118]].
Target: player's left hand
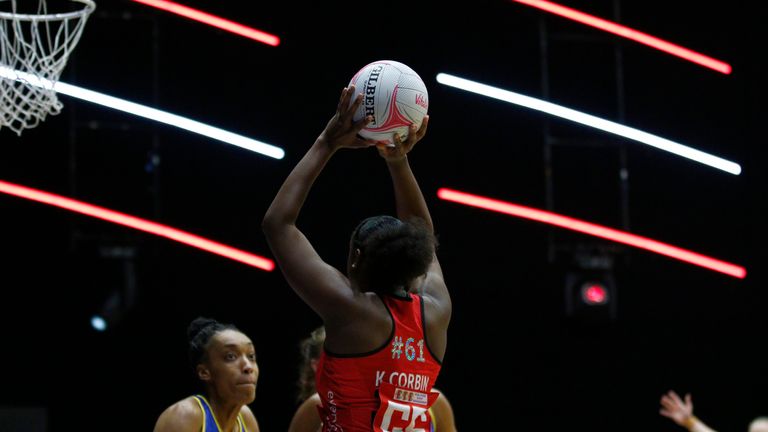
[[341, 131]]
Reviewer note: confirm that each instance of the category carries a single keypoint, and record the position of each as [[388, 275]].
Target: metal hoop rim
[[90, 6]]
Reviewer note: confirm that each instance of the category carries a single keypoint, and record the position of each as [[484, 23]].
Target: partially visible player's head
[[310, 348], [386, 253], [759, 424], [224, 359]]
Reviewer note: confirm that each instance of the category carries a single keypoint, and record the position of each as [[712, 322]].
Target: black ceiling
[[512, 348]]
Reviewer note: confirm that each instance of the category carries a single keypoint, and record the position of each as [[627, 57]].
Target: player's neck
[[225, 413]]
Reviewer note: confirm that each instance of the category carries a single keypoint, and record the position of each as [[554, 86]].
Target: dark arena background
[[525, 351]]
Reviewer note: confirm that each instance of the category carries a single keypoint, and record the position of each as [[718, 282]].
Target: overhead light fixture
[[591, 121], [147, 113], [137, 223], [626, 32], [593, 230], [594, 293], [590, 296], [98, 323], [213, 20]]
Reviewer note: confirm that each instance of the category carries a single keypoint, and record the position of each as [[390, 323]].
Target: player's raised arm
[[317, 283]]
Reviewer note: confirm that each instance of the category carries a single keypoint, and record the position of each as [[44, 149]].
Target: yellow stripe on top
[[242, 423], [201, 409], [240, 420], [432, 417], [212, 414]]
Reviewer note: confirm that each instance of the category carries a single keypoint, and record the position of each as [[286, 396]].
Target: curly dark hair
[[199, 333], [392, 252], [310, 348]]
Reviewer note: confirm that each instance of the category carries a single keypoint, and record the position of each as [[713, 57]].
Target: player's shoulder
[[441, 403], [250, 419], [246, 411], [311, 403], [315, 398], [184, 415]]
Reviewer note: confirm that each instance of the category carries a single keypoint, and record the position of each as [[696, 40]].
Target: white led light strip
[[147, 112], [592, 121]]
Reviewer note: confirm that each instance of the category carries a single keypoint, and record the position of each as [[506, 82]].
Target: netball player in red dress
[[386, 320]]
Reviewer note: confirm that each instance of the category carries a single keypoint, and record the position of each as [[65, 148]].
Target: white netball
[[394, 95]]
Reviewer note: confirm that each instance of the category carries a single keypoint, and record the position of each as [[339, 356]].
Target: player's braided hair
[[199, 333], [392, 252]]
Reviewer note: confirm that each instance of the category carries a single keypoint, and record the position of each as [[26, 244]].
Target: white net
[[34, 48]]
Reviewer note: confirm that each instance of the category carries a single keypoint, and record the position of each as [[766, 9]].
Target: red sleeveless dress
[[387, 389]]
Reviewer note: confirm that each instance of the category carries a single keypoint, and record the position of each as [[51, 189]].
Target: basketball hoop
[[34, 48]]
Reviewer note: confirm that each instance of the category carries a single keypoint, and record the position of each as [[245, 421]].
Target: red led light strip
[[213, 20], [593, 229], [137, 223], [629, 33]]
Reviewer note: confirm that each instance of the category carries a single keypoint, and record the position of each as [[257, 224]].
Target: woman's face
[[230, 368]]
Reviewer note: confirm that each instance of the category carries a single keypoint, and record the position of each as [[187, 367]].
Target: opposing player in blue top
[[224, 360]]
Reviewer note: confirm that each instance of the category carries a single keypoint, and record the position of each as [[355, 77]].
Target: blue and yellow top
[[210, 424]]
